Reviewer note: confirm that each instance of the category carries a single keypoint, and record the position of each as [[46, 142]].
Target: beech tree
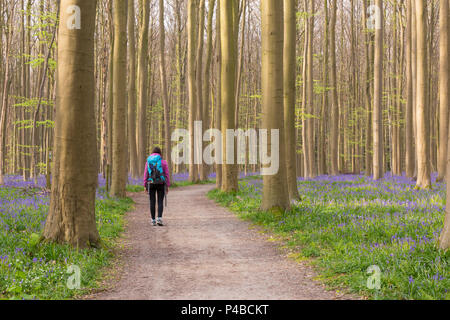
[[142, 80], [275, 192], [444, 88], [218, 111], [199, 83], [423, 149], [378, 170], [119, 147], [334, 125], [309, 142], [134, 166], [165, 95], [409, 117], [206, 94], [290, 27], [444, 241], [71, 218], [192, 85], [6, 85], [368, 92], [228, 35]]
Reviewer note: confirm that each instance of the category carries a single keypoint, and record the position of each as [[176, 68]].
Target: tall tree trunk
[[353, 91], [71, 218], [106, 75], [5, 96], [228, 36], [207, 77], [165, 96], [324, 113], [444, 88], [27, 90], [409, 121], [289, 65], [414, 79], [179, 71], [275, 192], [218, 110], [399, 103], [135, 172], [142, 75], [110, 96], [310, 92], [192, 86], [378, 171], [444, 241], [334, 121], [305, 144], [241, 63], [23, 84], [422, 118], [367, 94], [393, 94], [119, 148], [199, 78]]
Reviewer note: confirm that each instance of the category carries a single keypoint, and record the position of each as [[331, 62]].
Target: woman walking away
[[156, 181]]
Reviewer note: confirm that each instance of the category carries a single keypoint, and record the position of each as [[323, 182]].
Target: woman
[[156, 181]]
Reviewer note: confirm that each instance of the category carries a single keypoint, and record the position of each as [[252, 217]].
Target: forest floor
[[378, 238], [205, 252], [30, 269]]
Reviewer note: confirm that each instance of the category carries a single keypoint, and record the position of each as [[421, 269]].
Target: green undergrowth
[[31, 269], [343, 228]]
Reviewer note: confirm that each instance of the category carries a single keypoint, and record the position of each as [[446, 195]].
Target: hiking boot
[[154, 222], [160, 222]]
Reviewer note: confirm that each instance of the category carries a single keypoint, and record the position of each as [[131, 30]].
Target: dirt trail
[[204, 252]]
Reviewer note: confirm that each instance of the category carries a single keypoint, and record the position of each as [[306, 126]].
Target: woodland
[[358, 90]]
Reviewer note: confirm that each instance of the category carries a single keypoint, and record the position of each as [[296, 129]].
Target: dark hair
[[157, 150]]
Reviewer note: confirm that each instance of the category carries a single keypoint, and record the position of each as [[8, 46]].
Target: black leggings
[[160, 189]]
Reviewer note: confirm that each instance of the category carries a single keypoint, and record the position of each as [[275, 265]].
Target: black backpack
[[156, 178]]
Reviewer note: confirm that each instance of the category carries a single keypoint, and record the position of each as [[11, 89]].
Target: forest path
[[205, 252]]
